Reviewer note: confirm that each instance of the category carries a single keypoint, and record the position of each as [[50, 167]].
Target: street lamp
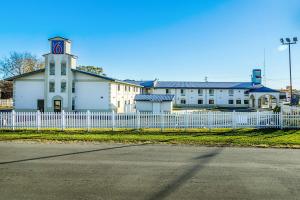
[[289, 42]]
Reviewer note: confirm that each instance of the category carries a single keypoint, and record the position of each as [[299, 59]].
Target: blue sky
[[165, 39]]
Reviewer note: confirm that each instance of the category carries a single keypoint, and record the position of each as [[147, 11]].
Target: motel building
[[60, 86]]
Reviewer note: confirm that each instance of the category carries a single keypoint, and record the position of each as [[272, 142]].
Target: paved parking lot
[[145, 171]]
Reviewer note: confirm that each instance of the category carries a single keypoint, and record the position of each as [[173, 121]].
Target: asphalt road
[[37, 171]]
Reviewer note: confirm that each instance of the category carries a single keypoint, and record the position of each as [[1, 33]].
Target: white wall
[[148, 106], [26, 94], [123, 96], [92, 96]]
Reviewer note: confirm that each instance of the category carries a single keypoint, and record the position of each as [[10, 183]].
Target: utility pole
[[265, 76], [289, 42]]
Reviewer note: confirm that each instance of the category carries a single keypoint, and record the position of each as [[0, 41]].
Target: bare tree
[[19, 63]]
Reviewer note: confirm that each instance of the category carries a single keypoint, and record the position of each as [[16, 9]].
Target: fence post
[[233, 120], [185, 120], [281, 119], [63, 120], [38, 120], [138, 119], [13, 120], [162, 121], [113, 119], [257, 119], [88, 117]]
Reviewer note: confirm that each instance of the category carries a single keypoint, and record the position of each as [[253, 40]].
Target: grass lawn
[[221, 137]]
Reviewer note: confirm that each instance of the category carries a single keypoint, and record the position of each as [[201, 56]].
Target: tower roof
[[59, 37]]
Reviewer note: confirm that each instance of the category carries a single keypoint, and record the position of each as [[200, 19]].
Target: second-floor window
[[182, 92], [63, 86], [238, 101], [73, 86], [211, 92], [230, 101], [52, 86], [182, 101], [52, 68], [200, 92], [200, 101], [63, 68], [167, 91], [230, 92]]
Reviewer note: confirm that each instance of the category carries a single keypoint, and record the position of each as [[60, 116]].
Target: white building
[[60, 86], [213, 94], [156, 103]]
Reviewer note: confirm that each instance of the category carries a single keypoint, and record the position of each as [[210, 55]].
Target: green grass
[[220, 137]]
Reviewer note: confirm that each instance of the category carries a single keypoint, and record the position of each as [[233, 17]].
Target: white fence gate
[[90, 120]]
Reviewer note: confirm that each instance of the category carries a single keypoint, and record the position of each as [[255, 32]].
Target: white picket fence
[[91, 120]]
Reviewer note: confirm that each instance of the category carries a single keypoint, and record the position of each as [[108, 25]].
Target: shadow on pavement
[[176, 183], [73, 153]]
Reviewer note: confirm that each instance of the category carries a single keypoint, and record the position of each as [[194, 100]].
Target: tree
[[92, 69], [19, 63]]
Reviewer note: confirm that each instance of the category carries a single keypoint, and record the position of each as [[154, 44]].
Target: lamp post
[[288, 42]]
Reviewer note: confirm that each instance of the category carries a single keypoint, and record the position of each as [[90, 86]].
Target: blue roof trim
[[263, 89], [154, 97]]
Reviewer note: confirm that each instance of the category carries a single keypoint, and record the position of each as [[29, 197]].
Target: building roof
[[25, 74], [263, 89], [74, 70], [66, 39], [146, 84], [154, 97], [105, 77], [205, 85]]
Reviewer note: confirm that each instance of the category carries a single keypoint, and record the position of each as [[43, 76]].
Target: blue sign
[[57, 46]]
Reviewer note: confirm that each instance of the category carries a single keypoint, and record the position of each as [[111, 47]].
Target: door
[[57, 105], [40, 105], [156, 107]]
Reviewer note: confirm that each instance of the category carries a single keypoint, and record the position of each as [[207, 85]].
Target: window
[[182, 92], [63, 86], [119, 104], [200, 92], [73, 103], [73, 86], [52, 68], [230, 92], [246, 101], [167, 91], [200, 101], [128, 101], [129, 88], [246, 93], [52, 86], [230, 101], [125, 88], [63, 69], [119, 87], [211, 92], [238, 101], [182, 101], [211, 101]]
